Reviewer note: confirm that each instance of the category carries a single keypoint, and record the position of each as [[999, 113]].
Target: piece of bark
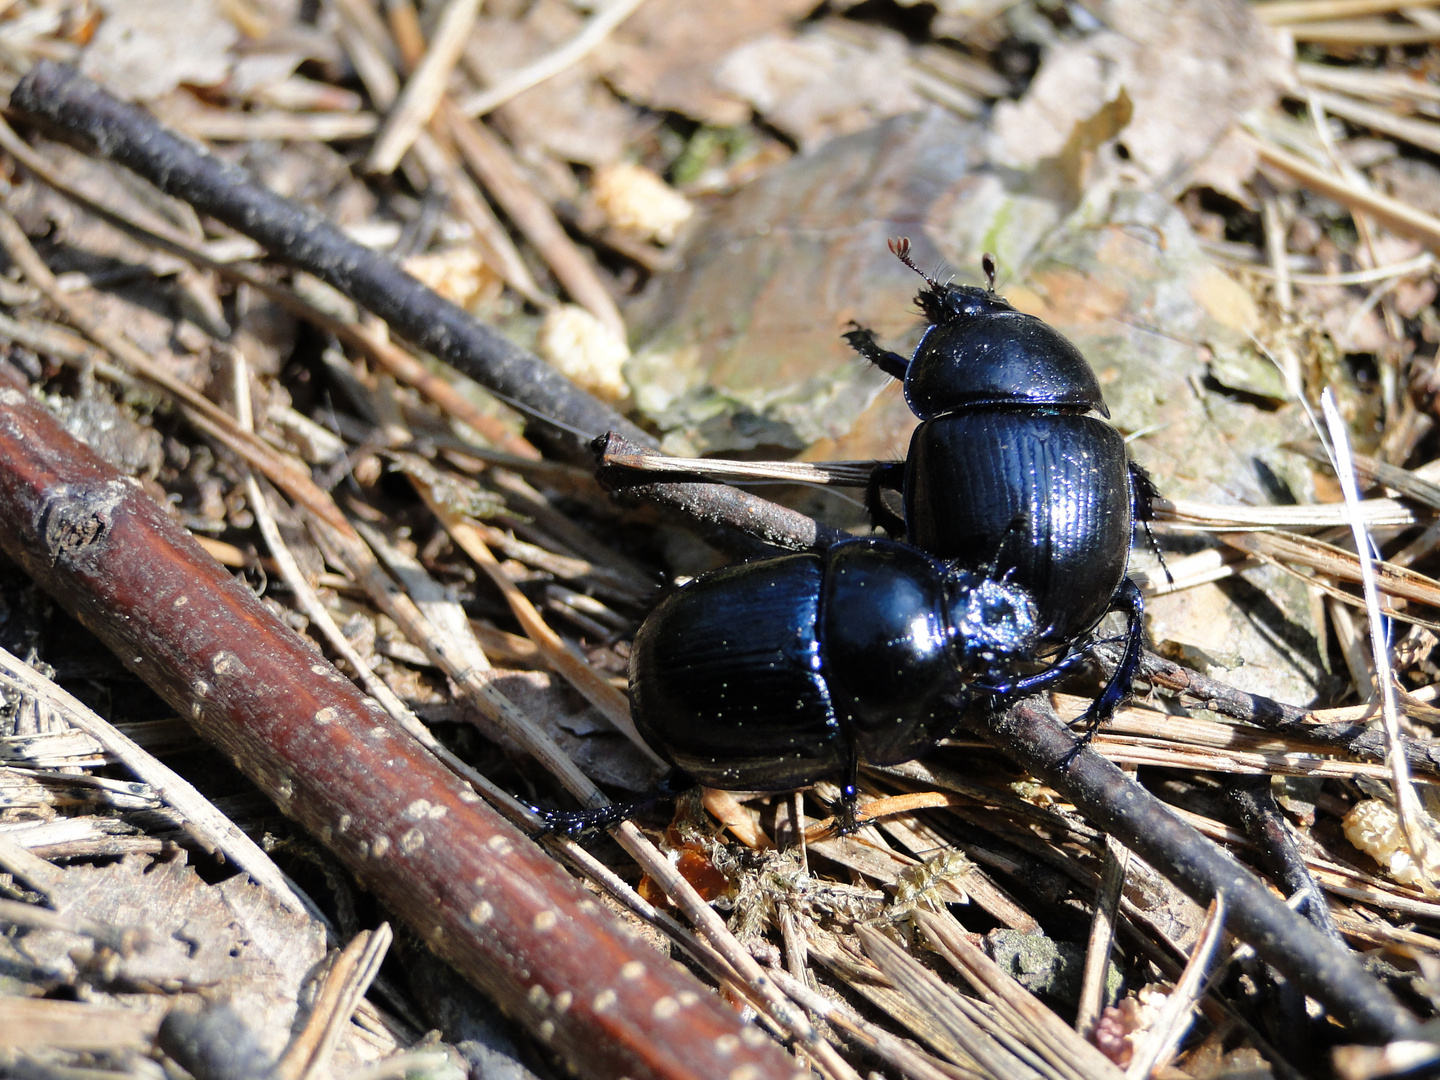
[[479, 892]]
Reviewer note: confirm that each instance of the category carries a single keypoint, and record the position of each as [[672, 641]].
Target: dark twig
[[478, 891], [1276, 716], [1267, 828], [79, 111], [1275, 840], [739, 510], [1030, 734]]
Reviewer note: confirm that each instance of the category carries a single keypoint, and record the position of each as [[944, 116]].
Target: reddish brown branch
[[478, 891]]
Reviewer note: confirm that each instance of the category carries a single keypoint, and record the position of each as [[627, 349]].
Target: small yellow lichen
[[1374, 828], [458, 274], [636, 201]]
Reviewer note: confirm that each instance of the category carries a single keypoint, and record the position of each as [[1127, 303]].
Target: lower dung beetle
[[773, 674]]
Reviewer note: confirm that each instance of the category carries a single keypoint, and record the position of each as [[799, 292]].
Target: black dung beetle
[[1008, 473], [771, 674]]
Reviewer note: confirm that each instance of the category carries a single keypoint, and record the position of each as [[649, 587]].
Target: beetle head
[[943, 303], [995, 624]]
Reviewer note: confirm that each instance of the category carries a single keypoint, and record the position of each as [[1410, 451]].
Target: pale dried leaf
[[665, 55], [1189, 68], [146, 48], [816, 86]]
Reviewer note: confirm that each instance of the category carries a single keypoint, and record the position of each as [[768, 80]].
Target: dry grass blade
[[363, 37], [843, 473], [1102, 936], [1420, 265], [44, 1026], [552, 63], [1422, 133], [496, 169], [1066, 1051], [1393, 86], [31, 869], [393, 358], [1392, 213], [310, 604], [1214, 517], [1137, 736], [202, 819], [284, 472], [1176, 1017], [218, 126], [558, 654], [1284, 12], [1210, 564], [1327, 559], [908, 1059], [350, 975], [290, 571], [426, 87], [1339, 880], [1407, 803], [994, 1050], [1407, 482], [1376, 1062], [1353, 33]]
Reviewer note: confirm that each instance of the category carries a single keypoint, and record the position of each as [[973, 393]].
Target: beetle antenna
[[900, 246], [544, 418], [990, 568], [987, 263]]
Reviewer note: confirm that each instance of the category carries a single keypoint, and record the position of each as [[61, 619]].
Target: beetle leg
[[849, 793], [1103, 707], [892, 476], [572, 823], [862, 340], [1041, 679], [1143, 494]]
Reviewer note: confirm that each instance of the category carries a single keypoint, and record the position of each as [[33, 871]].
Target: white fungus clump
[[586, 351], [1374, 828], [459, 274], [636, 201]]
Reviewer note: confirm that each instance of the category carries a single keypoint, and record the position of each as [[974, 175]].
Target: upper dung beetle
[[1008, 472]]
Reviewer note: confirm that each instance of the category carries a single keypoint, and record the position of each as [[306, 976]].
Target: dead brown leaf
[[1190, 68], [665, 56]]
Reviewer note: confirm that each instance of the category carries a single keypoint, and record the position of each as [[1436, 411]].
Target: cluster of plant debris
[[681, 206]]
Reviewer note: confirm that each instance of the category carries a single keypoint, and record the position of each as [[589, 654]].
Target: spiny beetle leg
[[573, 823], [1103, 707], [862, 340], [889, 476], [1143, 494]]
